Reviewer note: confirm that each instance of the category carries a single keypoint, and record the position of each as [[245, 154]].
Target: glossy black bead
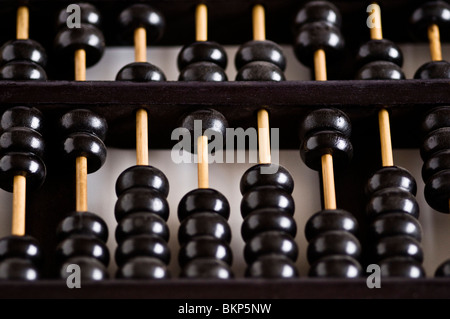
[[82, 246], [317, 144], [142, 245], [272, 267], [22, 71], [25, 247], [82, 223], [140, 72], [264, 50], [318, 35], [437, 190], [139, 224], [142, 16], [85, 145], [204, 72], [391, 200], [260, 71], [204, 224], [87, 37], [379, 50], [266, 175], [83, 120], [443, 270], [431, 12], [205, 247], [437, 162], [202, 51], [380, 70], [89, 14], [391, 176], [90, 269], [18, 269], [330, 220], [141, 200], [336, 242], [400, 245], [143, 268], [23, 49], [269, 219], [336, 266], [393, 224], [22, 116], [24, 164], [325, 119], [436, 141], [270, 242], [436, 118], [433, 70], [267, 197], [206, 268], [401, 267], [203, 200], [22, 140], [313, 11], [142, 176]]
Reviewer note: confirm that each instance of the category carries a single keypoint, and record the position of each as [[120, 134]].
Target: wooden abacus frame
[[166, 102]]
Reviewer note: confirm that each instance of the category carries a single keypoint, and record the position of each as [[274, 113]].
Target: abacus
[[332, 96]]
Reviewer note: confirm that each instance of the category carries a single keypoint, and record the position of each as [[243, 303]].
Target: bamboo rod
[[435, 42], [201, 23], [202, 155], [376, 32], [22, 27], [320, 66], [259, 23], [140, 45], [142, 137], [81, 184], [18, 208], [264, 137], [80, 65], [328, 182], [387, 157]]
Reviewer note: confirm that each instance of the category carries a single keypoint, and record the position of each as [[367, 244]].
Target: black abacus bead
[[204, 72], [141, 16], [83, 120], [265, 50], [391, 176], [270, 242], [205, 247], [24, 247], [391, 200], [85, 145], [325, 119], [436, 118], [204, 224], [436, 163], [272, 266], [393, 224], [89, 14], [334, 242], [203, 200], [379, 50], [23, 49], [207, 268], [22, 140], [266, 175], [143, 268], [401, 267], [86, 37], [318, 35], [437, 190], [140, 199], [90, 269], [443, 270], [317, 144], [82, 245], [140, 72], [380, 70], [431, 12], [433, 70], [267, 197], [142, 176], [436, 141], [260, 71], [28, 165], [82, 223], [19, 269], [268, 219], [336, 266], [330, 220], [202, 51], [314, 11], [142, 245], [22, 71], [140, 224], [22, 116], [400, 245]]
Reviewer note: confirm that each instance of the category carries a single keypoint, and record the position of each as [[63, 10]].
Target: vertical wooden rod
[[259, 23], [320, 65], [387, 157], [434, 38], [202, 155], [22, 27], [81, 184], [80, 65], [18, 208], [329, 194], [201, 23], [140, 45], [376, 32], [142, 137], [264, 137]]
